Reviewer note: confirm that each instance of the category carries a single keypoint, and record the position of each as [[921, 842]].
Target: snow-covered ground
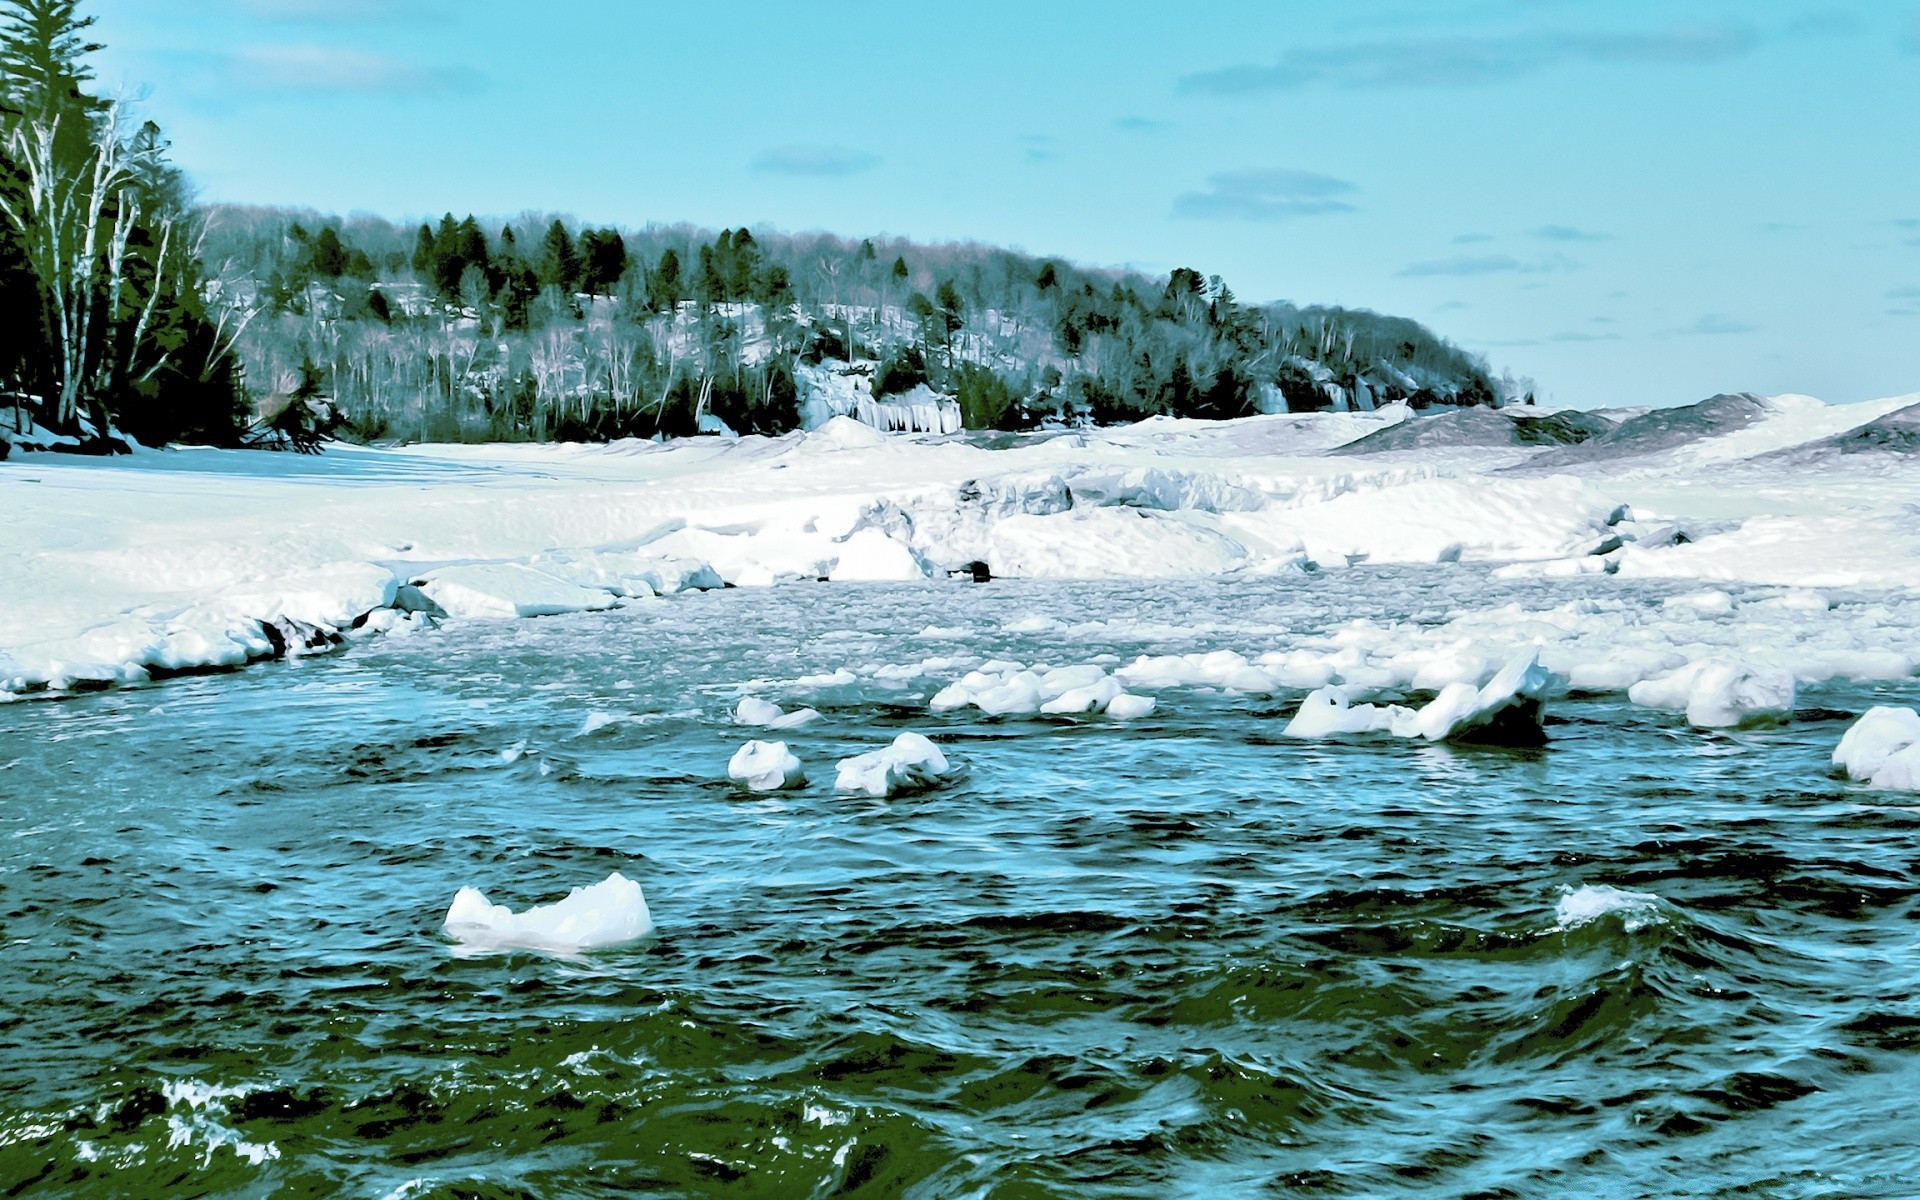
[[111, 569]]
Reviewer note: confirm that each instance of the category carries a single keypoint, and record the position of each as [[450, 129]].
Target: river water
[[1179, 957]]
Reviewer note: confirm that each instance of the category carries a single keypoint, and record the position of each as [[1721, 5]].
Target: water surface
[[1179, 957]]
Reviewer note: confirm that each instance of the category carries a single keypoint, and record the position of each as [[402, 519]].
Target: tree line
[[541, 327], [124, 307]]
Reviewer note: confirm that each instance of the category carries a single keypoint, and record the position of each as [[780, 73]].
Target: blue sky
[[1633, 203]]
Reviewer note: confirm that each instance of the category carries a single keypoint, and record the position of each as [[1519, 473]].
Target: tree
[[327, 256], [423, 254], [951, 311], [603, 260], [665, 291], [559, 262]]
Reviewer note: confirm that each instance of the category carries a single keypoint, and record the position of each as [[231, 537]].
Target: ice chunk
[[1018, 696], [609, 913], [1506, 711], [1720, 694], [1666, 691], [1061, 680], [765, 767], [754, 711], [1329, 711], [911, 763], [1128, 707], [508, 590], [1708, 602], [1729, 695], [1589, 902], [1093, 698], [1882, 749]]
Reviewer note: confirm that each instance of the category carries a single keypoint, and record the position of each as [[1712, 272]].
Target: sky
[[1632, 203]]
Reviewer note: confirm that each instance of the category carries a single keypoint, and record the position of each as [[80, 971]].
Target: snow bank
[[115, 569], [609, 913], [754, 711], [765, 767], [1882, 749], [508, 590], [911, 763]]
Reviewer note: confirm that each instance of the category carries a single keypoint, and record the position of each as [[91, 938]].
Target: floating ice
[[766, 767], [1882, 749], [911, 763], [609, 913], [1730, 695], [1505, 712], [754, 711], [1589, 902], [1091, 698], [1329, 712], [1128, 707], [1720, 694]]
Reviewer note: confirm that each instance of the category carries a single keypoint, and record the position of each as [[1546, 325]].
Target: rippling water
[[1173, 958]]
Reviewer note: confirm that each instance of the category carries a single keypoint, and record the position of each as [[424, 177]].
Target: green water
[[1182, 957]]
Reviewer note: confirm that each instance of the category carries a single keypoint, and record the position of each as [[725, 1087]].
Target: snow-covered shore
[[114, 569]]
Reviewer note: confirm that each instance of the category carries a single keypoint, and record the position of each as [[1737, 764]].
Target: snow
[[610, 913], [1882, 749], [114, 569], [911, 763], [507, 590], [765, 767]]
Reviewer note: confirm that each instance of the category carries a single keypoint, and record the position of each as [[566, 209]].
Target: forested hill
[[540, 328]]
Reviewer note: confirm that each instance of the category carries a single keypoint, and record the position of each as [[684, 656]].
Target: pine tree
[[559, 262], [42, 45], [328, 256], [665, 290], [603, 261], [423, 254]]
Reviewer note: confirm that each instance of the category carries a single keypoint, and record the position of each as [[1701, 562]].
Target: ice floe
[[1505, 711], [764, 713], [1720, 694], [911, 763], [1001, 689], [609, 913], [766, 767], [1882, 749]]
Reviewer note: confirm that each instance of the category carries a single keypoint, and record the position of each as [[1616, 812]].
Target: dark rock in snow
[[1660, 429], [1896, 433], [1482, 427], [291, 639]]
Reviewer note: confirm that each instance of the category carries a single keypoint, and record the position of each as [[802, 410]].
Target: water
[[1181, 957]]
